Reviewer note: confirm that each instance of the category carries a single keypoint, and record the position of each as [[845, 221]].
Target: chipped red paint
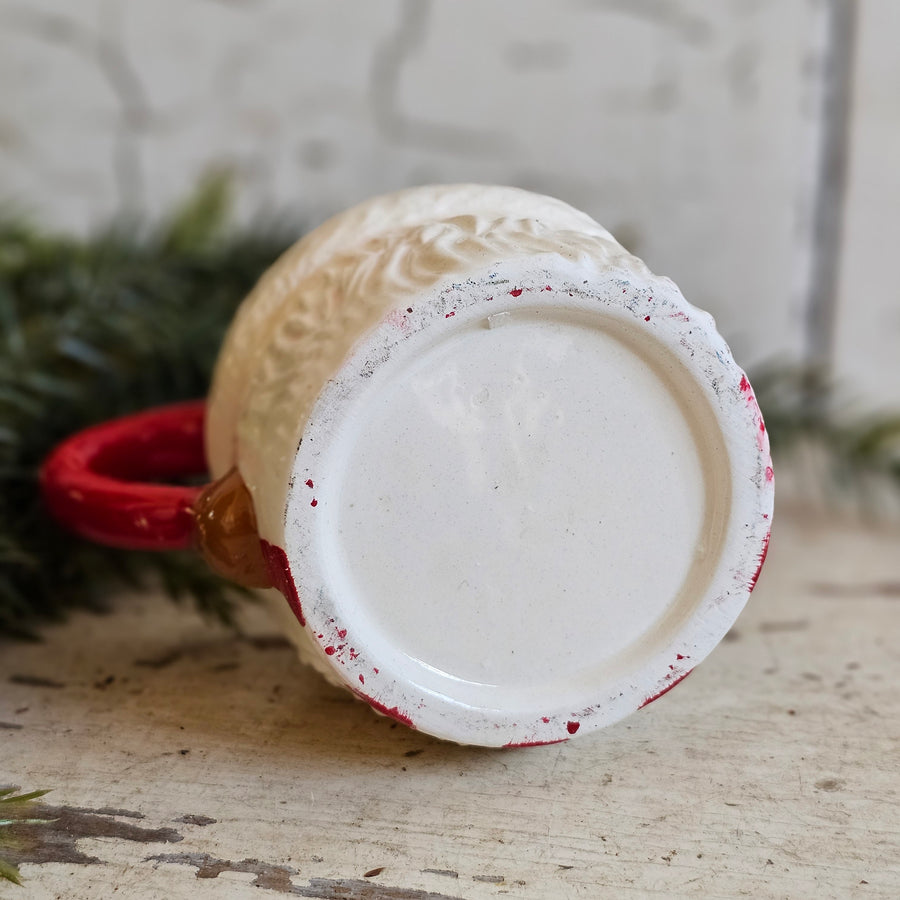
[[391, 712], [330, 650], [545, 719], [762, 559], [516, 292], [572, 727], [548, 288], [666, 689], [342, 633], [681, 656], [103, 483], [512, 745], [314, 502], [450, 314], [280, 572], [757, 413], [375, 669], [362, 678], [646, 318], [309, 483], [770, 474]]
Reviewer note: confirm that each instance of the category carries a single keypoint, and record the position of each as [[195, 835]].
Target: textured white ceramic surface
[[520, 485]]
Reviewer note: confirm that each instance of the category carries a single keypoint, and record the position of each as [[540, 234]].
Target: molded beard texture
[[520, 485]]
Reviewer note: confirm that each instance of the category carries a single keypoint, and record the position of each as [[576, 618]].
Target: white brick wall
[[689, 128], [868, 323]]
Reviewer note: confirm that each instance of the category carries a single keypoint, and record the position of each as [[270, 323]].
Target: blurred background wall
[[747, 148]]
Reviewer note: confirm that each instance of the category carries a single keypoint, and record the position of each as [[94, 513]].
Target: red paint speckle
[[353, 653], [646, 318], [374, 670], [362, 679], [488, 299], [309, 483], [516, 292], [762, 559], [548, 288], [769, 476], [314, 502], [342, 633], [745, 385], [572, 727], [680, 656], [450, 314], [392, 712], [666, 689], [330, 650], [545, 719], [765, 515], [280, 572], [513, 744]]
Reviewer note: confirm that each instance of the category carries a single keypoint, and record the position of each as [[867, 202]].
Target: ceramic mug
[[512, 485]]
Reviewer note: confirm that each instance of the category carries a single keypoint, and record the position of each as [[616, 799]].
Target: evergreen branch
[[90, 330]]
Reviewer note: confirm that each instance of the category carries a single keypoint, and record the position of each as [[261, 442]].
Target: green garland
[[94, 329], [120, 322]]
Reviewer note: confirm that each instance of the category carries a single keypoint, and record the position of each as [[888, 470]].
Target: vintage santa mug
[[512, 485]]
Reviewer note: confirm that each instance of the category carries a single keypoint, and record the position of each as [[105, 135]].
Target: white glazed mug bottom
[[532, 496]]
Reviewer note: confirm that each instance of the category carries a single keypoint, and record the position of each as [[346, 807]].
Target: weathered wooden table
[[187, 762]]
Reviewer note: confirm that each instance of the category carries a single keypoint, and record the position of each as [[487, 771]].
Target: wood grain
[[772, 771]]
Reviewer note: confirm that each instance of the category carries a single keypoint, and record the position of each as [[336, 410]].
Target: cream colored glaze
[[303, 318], [294, 407], [552, 492], [285, 283]]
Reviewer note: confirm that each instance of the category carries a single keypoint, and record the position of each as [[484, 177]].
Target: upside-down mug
[[511, 484]]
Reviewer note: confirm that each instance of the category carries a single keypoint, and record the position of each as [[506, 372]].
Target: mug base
[[507, 511]]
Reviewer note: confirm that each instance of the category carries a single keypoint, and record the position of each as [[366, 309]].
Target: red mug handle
[[103, 483]]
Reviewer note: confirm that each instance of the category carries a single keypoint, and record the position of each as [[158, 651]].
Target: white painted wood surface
[[771, 772]]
